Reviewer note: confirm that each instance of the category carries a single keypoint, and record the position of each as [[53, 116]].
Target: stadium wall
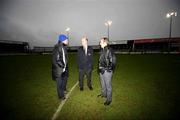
[[7, 46]]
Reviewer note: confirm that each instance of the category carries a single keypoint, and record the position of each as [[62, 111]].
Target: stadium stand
[[37, 49], [8, 46], [156, 45]]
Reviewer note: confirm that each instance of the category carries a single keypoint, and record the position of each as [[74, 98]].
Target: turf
[[27, 90], [144, 87]]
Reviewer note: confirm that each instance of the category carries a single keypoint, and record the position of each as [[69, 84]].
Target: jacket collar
[[105, 48], [83, 48], [61, 44]]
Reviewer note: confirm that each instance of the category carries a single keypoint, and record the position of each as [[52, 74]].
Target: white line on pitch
[[63, 102]]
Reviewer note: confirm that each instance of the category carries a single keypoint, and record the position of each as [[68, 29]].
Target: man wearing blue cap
[[60, 65]]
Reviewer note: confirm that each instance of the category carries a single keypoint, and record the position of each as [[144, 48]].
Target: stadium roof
[[12, 42]]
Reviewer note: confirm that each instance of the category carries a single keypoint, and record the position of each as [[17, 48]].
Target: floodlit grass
[[27, 90], [144, 87]]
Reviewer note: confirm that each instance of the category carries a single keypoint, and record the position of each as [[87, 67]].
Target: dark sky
[[40, 21]]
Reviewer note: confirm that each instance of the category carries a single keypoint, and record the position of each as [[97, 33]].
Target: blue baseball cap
[[62, 37]]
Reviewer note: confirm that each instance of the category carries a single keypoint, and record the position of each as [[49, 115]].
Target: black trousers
[[61, 84], [65, 76], [82, 73]]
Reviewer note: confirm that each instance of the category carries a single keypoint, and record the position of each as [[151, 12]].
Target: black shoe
[[62, 98], [100, 95], [91, 88], [107, 103], [81, 89]]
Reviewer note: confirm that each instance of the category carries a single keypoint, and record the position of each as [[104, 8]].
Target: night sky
[[40, 21]]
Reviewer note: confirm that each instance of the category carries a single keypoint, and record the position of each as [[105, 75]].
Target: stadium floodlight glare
[[175, 14], [67, 29], [108, 24], [170, 15]]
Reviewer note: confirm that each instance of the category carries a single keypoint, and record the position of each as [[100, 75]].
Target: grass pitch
[[144, 87]]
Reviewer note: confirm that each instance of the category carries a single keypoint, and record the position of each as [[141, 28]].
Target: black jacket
[[57, 60], [85, 61], [107, 60]]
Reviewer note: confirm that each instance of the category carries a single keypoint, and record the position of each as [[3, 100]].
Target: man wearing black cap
[[60, 65], [85, 63]]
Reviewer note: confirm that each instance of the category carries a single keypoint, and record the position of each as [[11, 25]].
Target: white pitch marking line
[[63, 102]]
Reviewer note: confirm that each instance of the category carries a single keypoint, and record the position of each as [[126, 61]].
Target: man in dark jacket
[[60, 65], [85, 63], [106, 67]]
